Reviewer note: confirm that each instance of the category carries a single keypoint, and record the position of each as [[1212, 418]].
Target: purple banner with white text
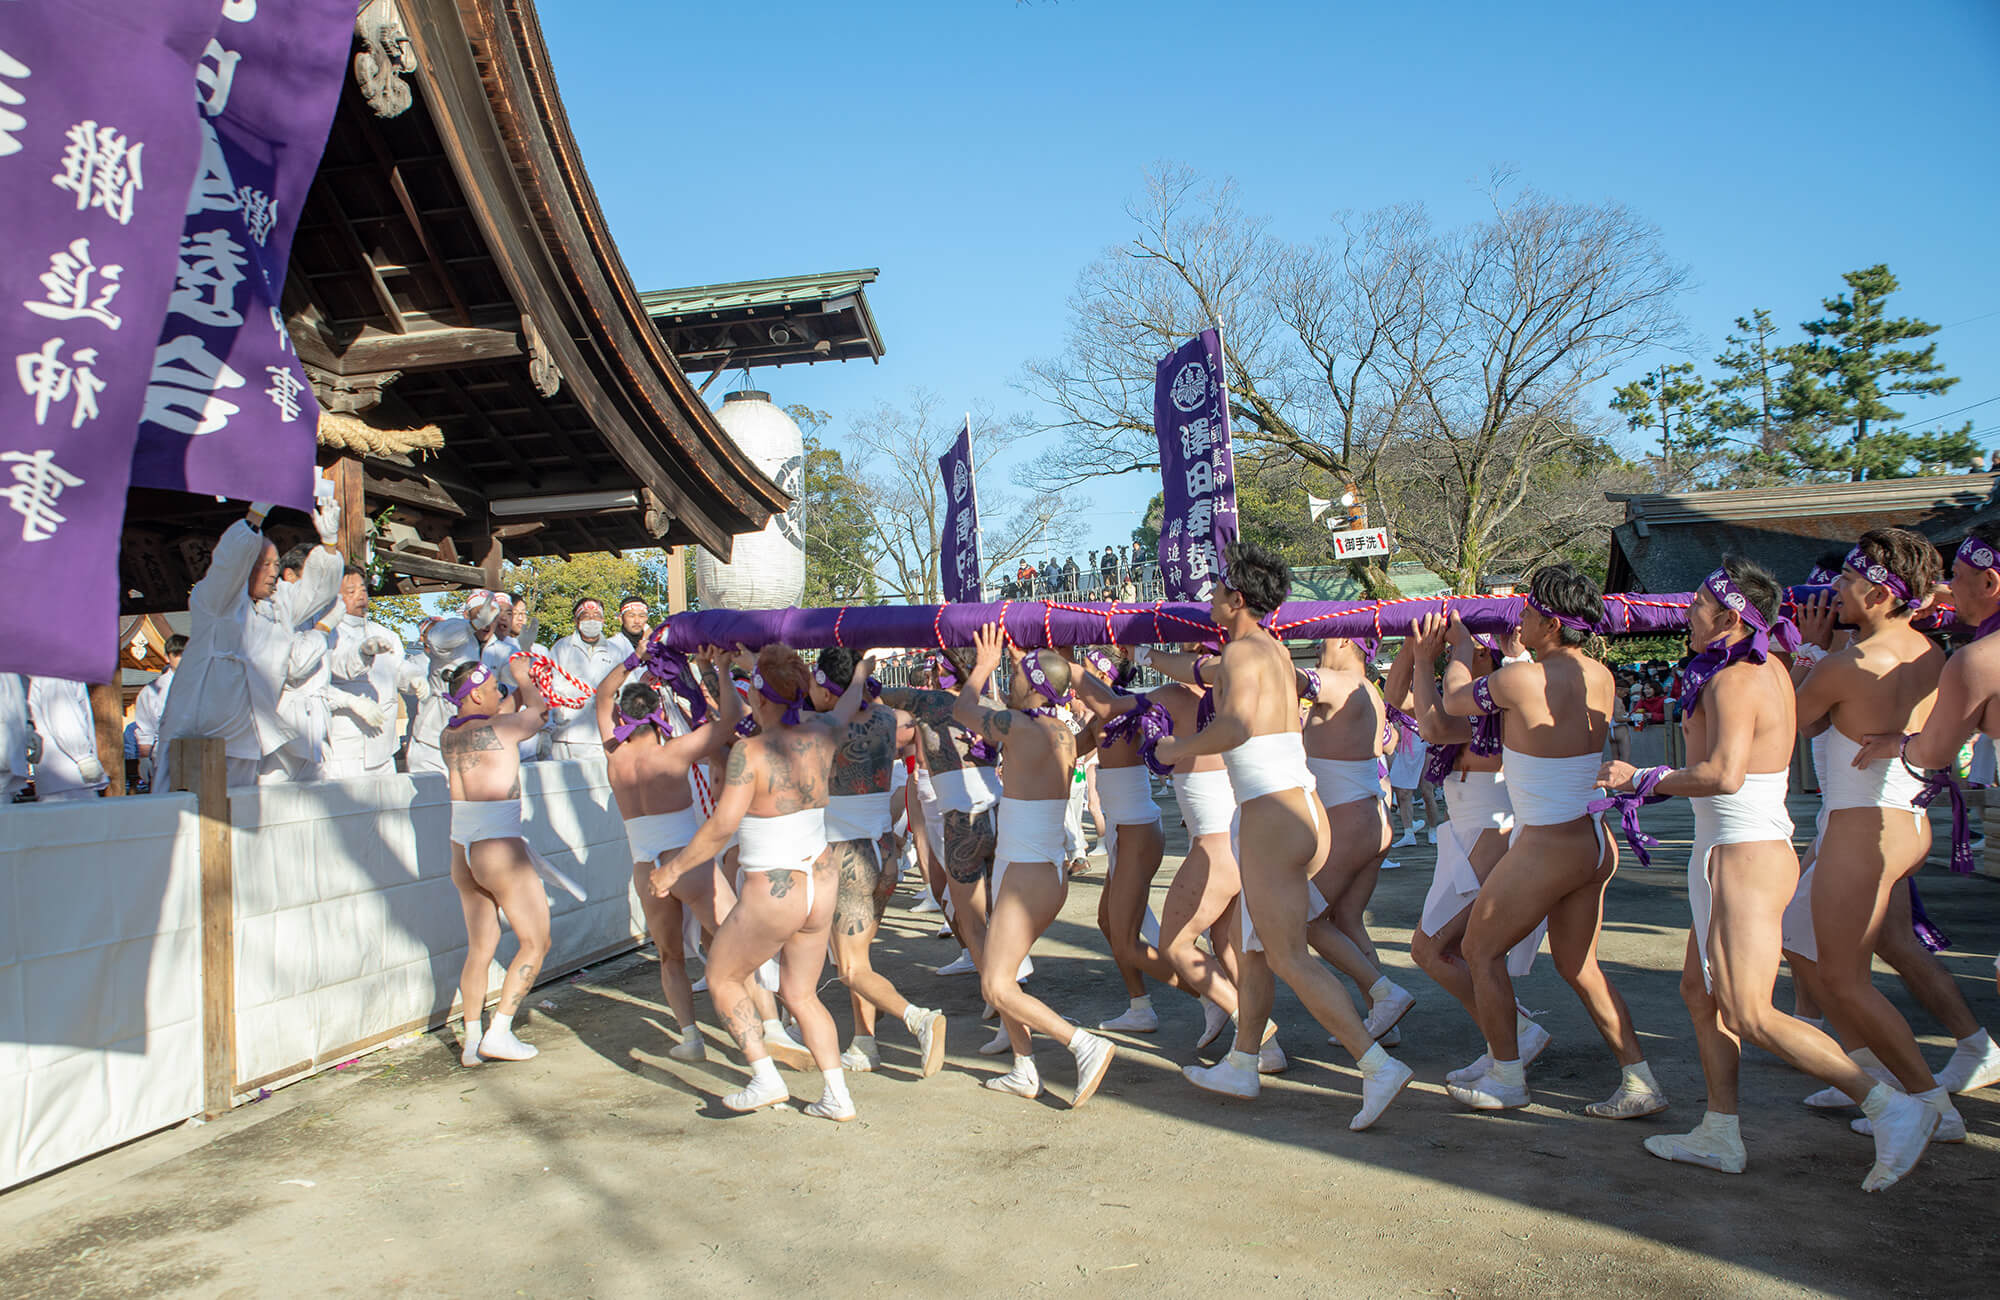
[[958, 543], [1197, 473], [98, 140], [228, 410]]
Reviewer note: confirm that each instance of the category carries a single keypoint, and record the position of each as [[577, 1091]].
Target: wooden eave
[[484, 69]]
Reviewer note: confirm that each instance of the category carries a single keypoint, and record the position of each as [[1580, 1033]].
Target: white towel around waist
[[476, 820], [1755, 814], [792, 842], [1268, 764], [858, 816], [1345, 780], [1550, 791], [969, 789], [1478, 802], [1207, 800], [1883, 784], [1126, 796], [656, 833], [1031, 830]]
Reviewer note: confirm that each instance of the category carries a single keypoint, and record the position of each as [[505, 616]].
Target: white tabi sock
[[1511, 1073], [1379, 989], [1373, 1060], [836, 1086], [1638, 1077]]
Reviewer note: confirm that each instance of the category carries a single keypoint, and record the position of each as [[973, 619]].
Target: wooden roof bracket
[[379, 68]]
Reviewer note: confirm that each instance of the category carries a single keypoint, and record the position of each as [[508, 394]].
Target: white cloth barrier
[[348, 928], [100, 976], [348, 931]]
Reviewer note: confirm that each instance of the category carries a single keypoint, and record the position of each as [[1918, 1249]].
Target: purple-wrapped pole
[[1060, 623]]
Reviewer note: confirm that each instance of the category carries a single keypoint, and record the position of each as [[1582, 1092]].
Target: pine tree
[[1839, 383], [1672, 400]]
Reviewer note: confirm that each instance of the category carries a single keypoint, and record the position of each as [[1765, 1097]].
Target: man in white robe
[[239, 651], [152, 705], [589, 656], [68, 767], [367, 669]]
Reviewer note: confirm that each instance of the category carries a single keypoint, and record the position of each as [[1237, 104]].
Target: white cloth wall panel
[[100, 976]]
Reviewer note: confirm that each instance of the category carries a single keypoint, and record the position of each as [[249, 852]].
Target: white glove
[[90, 770], [380, 643], [1143, 656], [363, 710], [326, 518]]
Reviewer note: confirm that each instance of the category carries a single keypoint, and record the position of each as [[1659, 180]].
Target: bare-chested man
[[1464, 763], [1129, 726], [1738, 717], [774, 800], [648, 766], [966, 788], [1883, 682], [490, 861], [1555, 714], [1256, 730], [1030, 880], [1134, 839], [1968, 702], [859, 822], [1342, 735]]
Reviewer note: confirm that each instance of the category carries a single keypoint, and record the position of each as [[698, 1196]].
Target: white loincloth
[[1031, 830], [1755, 814], [1207, 800], [792, 842], [1478, 802], [1126, 796], [969, 789], [1265, 765], [1406, 765], [858, 817], [1345, 780], [658, 833], [500, 819]]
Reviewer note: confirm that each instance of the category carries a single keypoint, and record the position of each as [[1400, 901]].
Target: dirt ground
[[602, 1168]]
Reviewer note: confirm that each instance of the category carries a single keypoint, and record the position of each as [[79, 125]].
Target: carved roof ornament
[[349, 394], [541, 366], [380, 68]]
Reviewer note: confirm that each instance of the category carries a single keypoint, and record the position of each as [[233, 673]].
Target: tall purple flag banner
[[98, 140], [1197, 473], [228, 410], [959, 544]]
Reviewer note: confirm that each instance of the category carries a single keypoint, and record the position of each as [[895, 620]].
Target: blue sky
[[981, 152]]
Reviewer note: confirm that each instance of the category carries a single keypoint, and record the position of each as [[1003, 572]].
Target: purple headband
[[1980, 556], [1031, 664], [793, 708], [874, 687], [1879, 574], [475, 679], [1821, 577], [671, 668], [1570, 621], [1718, 654], [627, 724]]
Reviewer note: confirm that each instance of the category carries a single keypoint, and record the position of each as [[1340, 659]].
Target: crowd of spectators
[[1114, 573]]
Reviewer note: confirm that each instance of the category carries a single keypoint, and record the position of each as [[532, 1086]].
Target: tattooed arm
[[746, 769], [933, 707]]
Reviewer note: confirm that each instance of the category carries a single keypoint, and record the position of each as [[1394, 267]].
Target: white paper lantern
[[767, 570]]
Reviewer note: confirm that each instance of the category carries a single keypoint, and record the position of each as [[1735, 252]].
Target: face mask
[[590, 629]]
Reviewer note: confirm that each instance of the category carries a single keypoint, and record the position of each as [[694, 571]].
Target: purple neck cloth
[[456, 723], [671, 669], [1881, 576], [1204, 711], [1721, 652], [874, 686], [794, 709], [657, 719], [1569, 621], [1628, 803], [1146, 724], [1312, 684]]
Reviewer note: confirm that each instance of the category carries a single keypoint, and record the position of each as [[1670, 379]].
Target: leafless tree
[[1439, 370], [892, 452]]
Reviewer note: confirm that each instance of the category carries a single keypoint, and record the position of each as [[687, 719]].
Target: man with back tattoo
[[859, 818], [490, 861]]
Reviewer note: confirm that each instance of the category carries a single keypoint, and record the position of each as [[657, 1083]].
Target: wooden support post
[[347, 486], [677, 587], [201, 764], [489, 560], [107, 709]]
